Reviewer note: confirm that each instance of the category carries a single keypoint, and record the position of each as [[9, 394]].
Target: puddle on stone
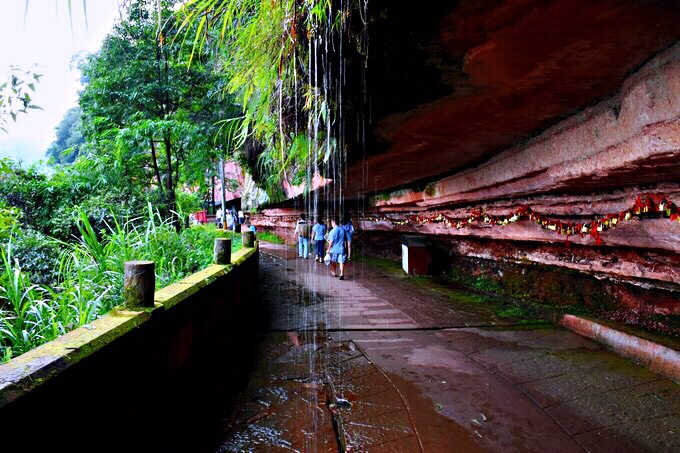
[[341, 403], [254, 437]]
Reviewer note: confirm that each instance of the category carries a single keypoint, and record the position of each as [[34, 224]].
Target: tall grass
[[91, 275], [26, 319]]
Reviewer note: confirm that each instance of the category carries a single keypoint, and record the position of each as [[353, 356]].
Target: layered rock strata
[[592, 164]]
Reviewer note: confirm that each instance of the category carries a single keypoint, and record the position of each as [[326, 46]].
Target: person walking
[[336, 248], [349, 232], [230, 220], [218, 218], [234, 216], [302, 233], [318, 233]]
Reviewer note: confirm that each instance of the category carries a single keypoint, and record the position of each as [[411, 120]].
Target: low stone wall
[[144, 380]]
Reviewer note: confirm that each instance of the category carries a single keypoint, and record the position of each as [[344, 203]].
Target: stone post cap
[[139, 263], [140, 283]]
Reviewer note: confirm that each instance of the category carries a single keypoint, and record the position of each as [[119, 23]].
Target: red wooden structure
[[201, 216]]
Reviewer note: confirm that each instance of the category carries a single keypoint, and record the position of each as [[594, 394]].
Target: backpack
[[303, 229], [306, 231]]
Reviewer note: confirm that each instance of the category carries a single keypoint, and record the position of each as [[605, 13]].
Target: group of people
[[338, 240], [232, 218]]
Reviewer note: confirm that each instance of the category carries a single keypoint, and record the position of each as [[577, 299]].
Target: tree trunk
[[172, 210], [154, 161], [170, 195], [212, 194]]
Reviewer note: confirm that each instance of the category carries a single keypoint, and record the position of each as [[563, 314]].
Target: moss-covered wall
[[137, 381]]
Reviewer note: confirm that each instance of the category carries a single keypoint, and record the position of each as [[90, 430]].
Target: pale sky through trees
[[48, 41]]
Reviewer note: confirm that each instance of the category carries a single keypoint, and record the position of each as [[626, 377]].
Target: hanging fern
[[274, 55]]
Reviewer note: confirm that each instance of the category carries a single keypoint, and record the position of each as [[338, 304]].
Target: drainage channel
[[351, 378]]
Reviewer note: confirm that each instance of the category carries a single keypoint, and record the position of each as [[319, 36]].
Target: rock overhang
[[449, 86]]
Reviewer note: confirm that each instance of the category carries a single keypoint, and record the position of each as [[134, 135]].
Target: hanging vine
[[277, 57]]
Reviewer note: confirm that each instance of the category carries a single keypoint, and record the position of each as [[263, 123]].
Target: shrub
[[38, 254], [89, 274]]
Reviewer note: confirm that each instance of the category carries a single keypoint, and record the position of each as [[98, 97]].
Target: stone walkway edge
[[657, 357], [659, 354]]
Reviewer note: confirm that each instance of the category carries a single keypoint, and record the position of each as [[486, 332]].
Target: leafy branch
[[15, 95]]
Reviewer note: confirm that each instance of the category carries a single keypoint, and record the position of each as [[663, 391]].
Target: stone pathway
[[377, 363]]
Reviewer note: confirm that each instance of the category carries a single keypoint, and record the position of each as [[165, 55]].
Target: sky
[[41, 34]]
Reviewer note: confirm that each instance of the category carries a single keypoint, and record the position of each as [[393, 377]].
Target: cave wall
[[510, 268], [630, 139], [592, 164], [491, 74]]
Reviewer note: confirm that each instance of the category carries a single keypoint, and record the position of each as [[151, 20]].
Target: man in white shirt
[[218, 218]]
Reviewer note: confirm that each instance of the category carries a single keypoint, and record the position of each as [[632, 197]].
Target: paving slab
[[584, 383], [645, 401], [474, 343], [659, 435], [538, 367], [283, 407], [373, 405], [498, 415], [380, 362]]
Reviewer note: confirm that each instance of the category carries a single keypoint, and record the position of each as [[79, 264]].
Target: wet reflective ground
[[376, 363], [285, 406]]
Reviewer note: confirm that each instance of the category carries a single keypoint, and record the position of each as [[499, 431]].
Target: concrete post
[[248, 238], [222, 251], [140, 284]]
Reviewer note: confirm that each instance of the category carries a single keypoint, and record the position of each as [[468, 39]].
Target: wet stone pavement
[[376, 363]]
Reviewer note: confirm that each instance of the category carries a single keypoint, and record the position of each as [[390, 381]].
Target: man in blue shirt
[[318, 233], [349, 230], [336, 247]]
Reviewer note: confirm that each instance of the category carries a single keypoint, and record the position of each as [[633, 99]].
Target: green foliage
[[487, 284], [148, 116], [270, 237], [48, 205], [66, 147], [38, 254], [8, 219], [34, 196], [15, 97], [89, 275], [26, 320], [274, 65], [188, 202], [150, 128]]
